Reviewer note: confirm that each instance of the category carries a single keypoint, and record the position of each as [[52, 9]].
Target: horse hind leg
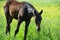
[[8, 19], [18, 25], [8, 22]]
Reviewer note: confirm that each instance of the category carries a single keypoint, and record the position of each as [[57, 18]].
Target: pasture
[[50, 25]]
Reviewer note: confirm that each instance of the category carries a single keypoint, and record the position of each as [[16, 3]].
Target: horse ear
[[40, 12]]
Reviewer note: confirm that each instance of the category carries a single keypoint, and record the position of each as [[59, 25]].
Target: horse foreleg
[[26, 28]]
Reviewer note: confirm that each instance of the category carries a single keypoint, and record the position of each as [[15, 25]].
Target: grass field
[[50, 25]]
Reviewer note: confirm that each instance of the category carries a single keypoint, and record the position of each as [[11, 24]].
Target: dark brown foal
[[22, 11]]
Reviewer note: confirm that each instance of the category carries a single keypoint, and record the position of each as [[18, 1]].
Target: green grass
[[50, 25]]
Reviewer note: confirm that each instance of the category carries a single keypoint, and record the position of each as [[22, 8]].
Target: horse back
[[17, 9]]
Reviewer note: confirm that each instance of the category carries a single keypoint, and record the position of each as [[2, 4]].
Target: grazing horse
[[22, 11]]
